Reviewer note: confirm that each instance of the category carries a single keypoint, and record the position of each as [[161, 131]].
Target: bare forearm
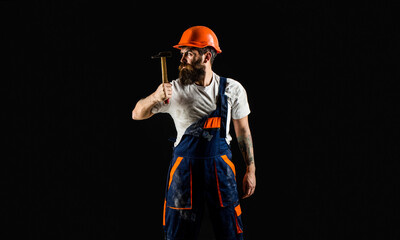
[[245, 143], [143, 108]]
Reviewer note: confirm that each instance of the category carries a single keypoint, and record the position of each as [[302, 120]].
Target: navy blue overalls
[[201, 171]]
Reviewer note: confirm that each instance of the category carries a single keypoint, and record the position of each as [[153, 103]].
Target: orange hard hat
[[200, 37]]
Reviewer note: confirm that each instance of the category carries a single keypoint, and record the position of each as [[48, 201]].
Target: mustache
[[195, 65], [187, 67]]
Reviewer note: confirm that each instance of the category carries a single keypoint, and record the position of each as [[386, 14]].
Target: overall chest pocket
[[179, 195]]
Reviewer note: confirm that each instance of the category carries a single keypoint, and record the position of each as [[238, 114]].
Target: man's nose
[[183, 59]]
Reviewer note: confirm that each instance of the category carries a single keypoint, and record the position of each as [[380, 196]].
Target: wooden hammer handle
[[164, 69], [164, 73]]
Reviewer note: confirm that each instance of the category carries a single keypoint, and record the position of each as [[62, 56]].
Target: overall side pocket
[[179, 195], [225, 174]]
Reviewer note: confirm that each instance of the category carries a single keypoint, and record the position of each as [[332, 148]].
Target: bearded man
[[202, 104]]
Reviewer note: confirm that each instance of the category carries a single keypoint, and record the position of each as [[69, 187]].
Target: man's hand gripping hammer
[[163, 56]]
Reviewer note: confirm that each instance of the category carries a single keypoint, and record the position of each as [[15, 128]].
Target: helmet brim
[[180, 46]]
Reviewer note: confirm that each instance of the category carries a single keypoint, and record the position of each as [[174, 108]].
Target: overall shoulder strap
[[223, 105], [222, 86]]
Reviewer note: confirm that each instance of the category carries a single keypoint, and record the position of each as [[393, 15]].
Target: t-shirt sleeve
[[240, 105]]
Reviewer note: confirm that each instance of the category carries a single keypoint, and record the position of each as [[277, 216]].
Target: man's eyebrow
[[183, 51]]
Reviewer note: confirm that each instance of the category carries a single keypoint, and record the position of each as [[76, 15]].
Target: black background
[[321, 80]]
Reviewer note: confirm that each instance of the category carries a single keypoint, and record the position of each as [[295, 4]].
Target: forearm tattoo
[[246, 147]]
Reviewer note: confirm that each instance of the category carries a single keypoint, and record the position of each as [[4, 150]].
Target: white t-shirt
[[190, 103]]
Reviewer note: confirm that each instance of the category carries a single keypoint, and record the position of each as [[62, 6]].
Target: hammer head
[[162, 54]]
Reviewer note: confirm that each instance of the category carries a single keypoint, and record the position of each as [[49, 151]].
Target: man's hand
[[163, 92], [249, 182]]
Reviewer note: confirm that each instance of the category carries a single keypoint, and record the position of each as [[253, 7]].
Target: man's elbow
[[135, 115]]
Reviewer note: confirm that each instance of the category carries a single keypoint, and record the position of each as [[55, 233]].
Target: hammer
[[163, 56]]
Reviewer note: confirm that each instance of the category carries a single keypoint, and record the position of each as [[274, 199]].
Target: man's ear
[[207, 57]]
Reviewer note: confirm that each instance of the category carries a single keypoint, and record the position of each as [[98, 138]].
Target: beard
[[191, 73]]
